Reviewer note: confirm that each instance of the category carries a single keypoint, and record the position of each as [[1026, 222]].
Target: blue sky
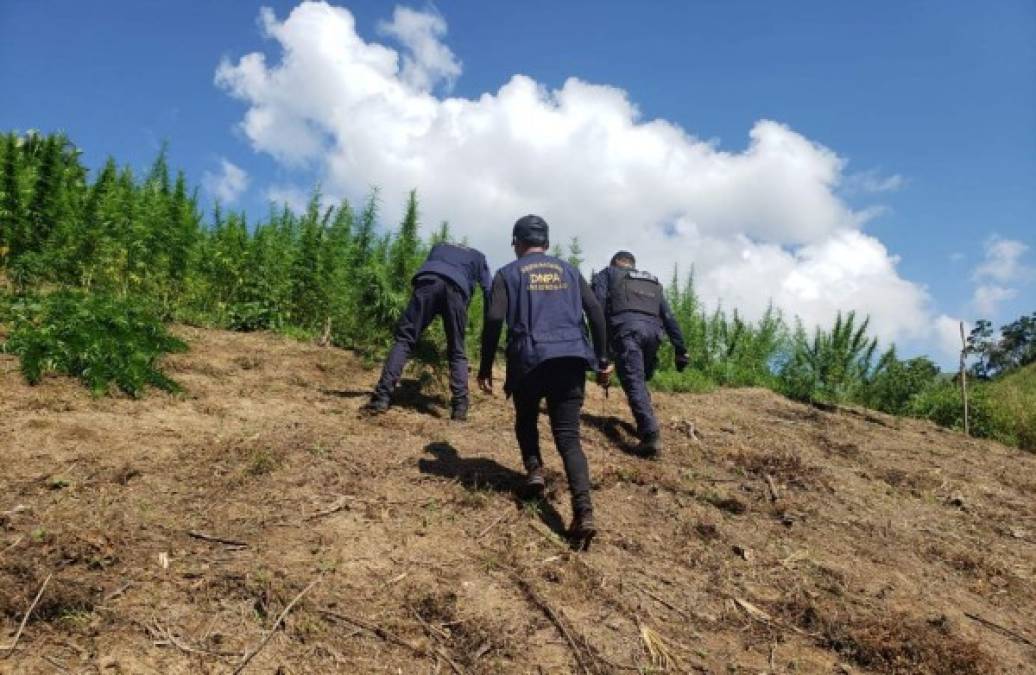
[[932, 105]]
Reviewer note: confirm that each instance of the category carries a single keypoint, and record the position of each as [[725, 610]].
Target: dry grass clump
[[889, 641], [468, 638], [64, 597], [784, 467]]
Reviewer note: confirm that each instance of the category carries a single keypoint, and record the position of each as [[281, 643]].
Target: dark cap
[[623, 255], [531, 230]]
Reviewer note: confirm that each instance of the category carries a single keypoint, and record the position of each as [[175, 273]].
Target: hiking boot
[[535, 484], [376, 405], [459, 412], [583, 530], [650, 446]]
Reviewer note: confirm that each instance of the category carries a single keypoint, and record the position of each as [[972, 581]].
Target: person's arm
[[599, 284], [672, 329], [485, 281], [496, 311], [595, 314]]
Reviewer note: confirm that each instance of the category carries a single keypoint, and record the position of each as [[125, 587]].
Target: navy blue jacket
[[543, 299], [623, 321], [459, 264]]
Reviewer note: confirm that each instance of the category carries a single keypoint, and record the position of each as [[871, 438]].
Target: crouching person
[[441, 287], [543, 299]]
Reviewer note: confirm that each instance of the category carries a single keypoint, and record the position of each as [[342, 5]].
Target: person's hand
[[682, 360], [485, 383], [604, 375]]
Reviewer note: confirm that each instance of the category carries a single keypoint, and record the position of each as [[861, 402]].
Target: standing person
[[638, 314], [543, 300], [441, 287]]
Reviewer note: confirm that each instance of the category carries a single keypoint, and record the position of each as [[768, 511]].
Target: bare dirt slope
[[891, 546]]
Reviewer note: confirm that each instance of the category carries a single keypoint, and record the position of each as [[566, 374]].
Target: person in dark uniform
[[543, 300], [638, 314], [441, 287]]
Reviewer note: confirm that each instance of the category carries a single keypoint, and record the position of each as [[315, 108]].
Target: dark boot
[[535, 484], [650, 446], [583, 529], [376, 406], [459, 411]]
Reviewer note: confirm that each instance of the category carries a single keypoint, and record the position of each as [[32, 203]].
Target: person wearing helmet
[[543, 299], [638, 314], [441, 287]]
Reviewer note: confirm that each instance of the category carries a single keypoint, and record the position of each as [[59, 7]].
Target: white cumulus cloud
[[996, 277], [762, 222], [1003, 261], [228, 183], [429, 61], [947, 337], [987, 298], [868, 182], [294, 197]]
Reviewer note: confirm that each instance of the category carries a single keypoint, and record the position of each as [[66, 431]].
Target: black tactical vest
[[634, 291]]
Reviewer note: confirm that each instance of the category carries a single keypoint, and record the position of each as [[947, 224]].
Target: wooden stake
[[964, 378]]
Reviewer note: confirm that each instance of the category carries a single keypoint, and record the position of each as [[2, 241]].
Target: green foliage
[[941, 403], [689, 381], [1013, 347], [1013, 399], [832, 366], [335, 269], [575, 253], [895, 383], [101, 339], [723, 349]]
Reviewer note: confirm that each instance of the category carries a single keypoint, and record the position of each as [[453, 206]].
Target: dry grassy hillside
[[883, 545]]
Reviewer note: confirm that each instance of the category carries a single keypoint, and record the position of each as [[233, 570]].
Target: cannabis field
[[93, 267]]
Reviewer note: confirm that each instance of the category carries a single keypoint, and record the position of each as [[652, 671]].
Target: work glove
[[682, 360]]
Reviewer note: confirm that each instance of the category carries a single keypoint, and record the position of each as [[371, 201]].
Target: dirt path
[[892, 546]]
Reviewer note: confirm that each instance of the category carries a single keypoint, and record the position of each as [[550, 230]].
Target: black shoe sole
[[531, 491], [645, 453], [580, 541]]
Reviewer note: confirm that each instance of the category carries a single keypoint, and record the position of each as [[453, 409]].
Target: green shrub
[[895, 383], [100, 339], [1014, 398], [832, 366], [253, 316], [941, 403], [689, 381]]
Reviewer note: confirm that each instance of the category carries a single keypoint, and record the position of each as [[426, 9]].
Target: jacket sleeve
[[595, 314], [496, 311], [485, 280], [599, 283], [672, 328]]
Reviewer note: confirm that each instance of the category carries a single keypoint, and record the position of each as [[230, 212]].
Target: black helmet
[[531, 230], [623, 255]]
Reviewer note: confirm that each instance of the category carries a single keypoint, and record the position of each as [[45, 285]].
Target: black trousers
[[563, 383], [636, 356], [433, 296]]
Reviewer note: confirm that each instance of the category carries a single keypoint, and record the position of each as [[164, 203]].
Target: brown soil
[[892, 546]]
